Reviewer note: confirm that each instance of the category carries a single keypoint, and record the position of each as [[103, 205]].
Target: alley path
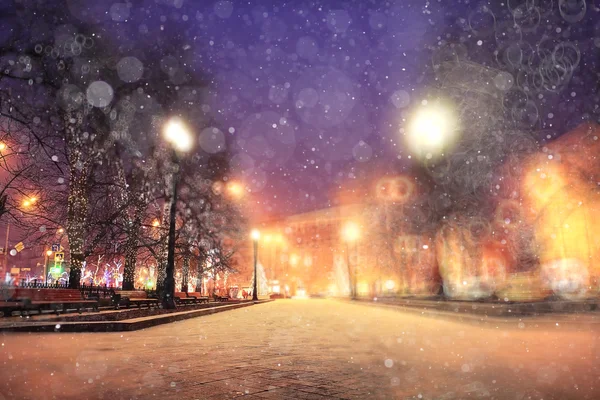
[[310, 349]]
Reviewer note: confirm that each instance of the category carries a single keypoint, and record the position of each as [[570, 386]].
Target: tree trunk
[[199, 277], [129, 269], [161, 272], [161, 262], [131, 247], [75, 271], [185, 272], [77, 202]]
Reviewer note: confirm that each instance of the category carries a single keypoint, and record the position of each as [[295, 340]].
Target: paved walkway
[[310, 349]]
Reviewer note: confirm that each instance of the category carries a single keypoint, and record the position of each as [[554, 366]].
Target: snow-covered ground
[[312, 349]]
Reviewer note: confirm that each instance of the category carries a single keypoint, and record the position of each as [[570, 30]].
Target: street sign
[[59, 257], [19, 247], [55, 247]]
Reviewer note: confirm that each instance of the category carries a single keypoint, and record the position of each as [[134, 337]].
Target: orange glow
[[155, 223], [398, 189], [235, 189], [508, 214], [29, 202], [61, 230], [2, 146], [49, 253], [562, 206], [471, 264], [351, 232]]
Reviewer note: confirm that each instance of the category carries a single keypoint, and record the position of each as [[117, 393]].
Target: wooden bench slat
[[136, 297], [198, 297], [25, 299]]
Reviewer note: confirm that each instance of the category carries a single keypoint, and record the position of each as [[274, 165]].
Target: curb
[[556, 320], [493, 309], [124, 325]]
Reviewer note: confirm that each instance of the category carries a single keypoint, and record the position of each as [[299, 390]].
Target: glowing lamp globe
[[431, 130], [351, 232], [178, 135]]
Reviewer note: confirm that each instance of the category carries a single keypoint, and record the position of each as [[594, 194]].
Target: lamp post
[[179, 137], [6, 249], [255, 235], [47, 254], [351, 233]]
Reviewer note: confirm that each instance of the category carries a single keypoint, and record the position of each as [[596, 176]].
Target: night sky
[[306, 96]]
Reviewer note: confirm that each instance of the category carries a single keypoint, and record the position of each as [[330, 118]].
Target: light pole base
[[168, 303]]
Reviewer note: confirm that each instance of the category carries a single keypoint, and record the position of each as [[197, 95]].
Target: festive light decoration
[[185, 272]]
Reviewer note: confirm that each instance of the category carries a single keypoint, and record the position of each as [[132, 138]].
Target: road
[[311, 349]]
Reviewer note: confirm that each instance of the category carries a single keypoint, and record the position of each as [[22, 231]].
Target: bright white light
[[389, 284], [255, 234], [300, 294], [431, 130], [178, 135], [351, 231]]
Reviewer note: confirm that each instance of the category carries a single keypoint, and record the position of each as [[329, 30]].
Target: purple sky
[[307, 94]]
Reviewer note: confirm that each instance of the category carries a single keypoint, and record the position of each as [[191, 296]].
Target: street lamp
[[48, 254], [351, 233], [177, 134], [235, 189], [431, 129], [255, 235]]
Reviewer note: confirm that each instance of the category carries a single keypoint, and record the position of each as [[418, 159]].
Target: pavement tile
[[246, 385], [323, 390], [307, 363], [279, 393]]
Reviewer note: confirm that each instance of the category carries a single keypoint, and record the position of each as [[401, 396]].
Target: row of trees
[[82, 150]]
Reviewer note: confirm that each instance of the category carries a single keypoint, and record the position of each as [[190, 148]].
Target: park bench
[[136, 297], [216, 297], [183, 298], [8, 307], [198, 296], [28, 299]]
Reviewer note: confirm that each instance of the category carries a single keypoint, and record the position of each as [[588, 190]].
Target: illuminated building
[[539, 237]]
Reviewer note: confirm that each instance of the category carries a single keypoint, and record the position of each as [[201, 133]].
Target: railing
[[35, 284], [97, 291], [87, 290]]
